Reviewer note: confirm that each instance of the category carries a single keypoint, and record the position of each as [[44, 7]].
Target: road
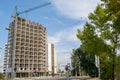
[[74, 78], [63, 78], [57, 78]]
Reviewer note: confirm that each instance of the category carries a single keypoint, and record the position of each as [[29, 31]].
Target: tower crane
[[28, 10]]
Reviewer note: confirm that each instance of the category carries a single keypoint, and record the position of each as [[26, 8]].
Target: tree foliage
[[101, 35], [75, 63], [85, 61]]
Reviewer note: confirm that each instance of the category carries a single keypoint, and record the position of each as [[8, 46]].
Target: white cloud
[[55, 38], [45, 17], [68, 34], [53, 19], [64, 42], [75, 9], [63, 58]]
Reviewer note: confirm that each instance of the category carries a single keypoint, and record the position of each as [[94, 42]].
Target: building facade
[[52, 62], [26, 51], [6, 59]]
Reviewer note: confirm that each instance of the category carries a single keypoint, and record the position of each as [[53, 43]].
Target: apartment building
[[52, 62], [26, 50]]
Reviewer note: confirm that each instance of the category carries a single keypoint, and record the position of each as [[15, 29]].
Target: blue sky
[[62, 19]]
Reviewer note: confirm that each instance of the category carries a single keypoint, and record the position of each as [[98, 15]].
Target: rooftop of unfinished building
[[30, 22]]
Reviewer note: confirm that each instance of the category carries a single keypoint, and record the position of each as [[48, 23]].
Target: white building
[[52, 62]]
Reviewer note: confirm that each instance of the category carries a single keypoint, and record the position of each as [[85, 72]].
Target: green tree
[[85, 62], [75, 63], [101, 35], [113, 11]]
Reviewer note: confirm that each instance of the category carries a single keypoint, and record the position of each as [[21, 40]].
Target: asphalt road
[[66, 79], [58, 78], [63, 79], [71, 78]]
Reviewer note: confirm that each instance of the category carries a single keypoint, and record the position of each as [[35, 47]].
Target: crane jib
[[40, 6]]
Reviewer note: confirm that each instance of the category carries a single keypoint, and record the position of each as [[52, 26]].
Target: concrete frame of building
[[26, 49]]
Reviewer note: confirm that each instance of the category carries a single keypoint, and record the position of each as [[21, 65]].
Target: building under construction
[[26, 49]]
